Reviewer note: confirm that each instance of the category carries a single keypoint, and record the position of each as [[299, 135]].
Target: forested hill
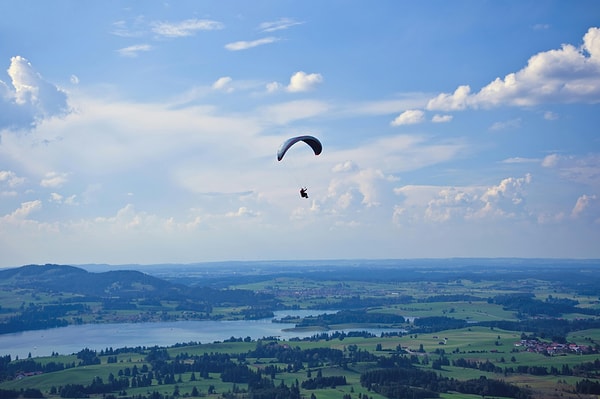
[[69, 279], [38, 297]]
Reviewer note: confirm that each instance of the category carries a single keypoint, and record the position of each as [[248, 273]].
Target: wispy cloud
[[581, 169], [184, 28], [505, 125], [223, 84], [135, 27], [441, 118], [133, 51], [60, 199], [294, 110], [280, 24], [520, 160], [54, 179], [245, 45], [242, 212], [541, 26]]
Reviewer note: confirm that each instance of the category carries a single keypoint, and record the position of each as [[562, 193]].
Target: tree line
[[587, 369]]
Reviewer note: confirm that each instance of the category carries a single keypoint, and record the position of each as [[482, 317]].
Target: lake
[[72, 339]]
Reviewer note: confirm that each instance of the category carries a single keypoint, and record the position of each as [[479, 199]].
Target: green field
[[474, 343]]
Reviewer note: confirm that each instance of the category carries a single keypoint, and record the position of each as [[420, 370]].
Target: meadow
[[476, 344]]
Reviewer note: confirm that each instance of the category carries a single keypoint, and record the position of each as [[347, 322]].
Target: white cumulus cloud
[[410, 117], [505, 200], [29, 98], [456, 101], [583, 204], [302, 81], [551, 160], [299, 82], [566, 75], [10, 178]]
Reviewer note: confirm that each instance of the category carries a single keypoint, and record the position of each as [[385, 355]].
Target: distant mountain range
[[124, 284]]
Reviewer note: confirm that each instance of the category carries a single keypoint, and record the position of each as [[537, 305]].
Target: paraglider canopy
[[313, 142]]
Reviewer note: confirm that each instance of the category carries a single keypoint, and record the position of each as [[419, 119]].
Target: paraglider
[[312, 141]]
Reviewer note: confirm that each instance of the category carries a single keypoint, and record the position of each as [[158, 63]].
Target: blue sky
[[147, 131]]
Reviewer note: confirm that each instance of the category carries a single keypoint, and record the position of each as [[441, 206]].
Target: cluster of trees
[[232, 368], [525, 305], [437, 323], [25, 393], [96, 387], [452, 298], [87, 357], [321, 382], [8, 369], [351, 316], [136, 349], [339, 335], [588, 387], [32, 317], [587, 369], [413, 382]]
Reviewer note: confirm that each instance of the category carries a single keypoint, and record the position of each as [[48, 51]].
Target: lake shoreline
[[100, 336]]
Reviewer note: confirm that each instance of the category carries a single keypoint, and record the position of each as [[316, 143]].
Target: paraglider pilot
[[313, 142]]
